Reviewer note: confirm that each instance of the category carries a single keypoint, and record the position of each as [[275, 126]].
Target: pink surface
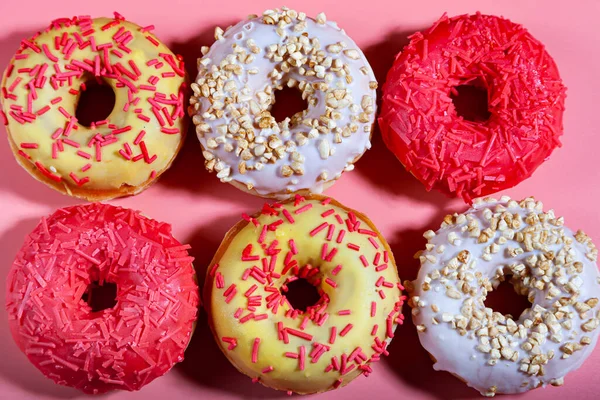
[[202, 209]]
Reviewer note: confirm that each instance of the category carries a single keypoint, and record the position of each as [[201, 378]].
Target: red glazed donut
[[464, 158], [123, 347]]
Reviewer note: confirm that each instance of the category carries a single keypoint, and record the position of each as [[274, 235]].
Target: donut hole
[[505, 300], [96, 102], [288, 103], [301, 294], [100, 296], [471, 102]]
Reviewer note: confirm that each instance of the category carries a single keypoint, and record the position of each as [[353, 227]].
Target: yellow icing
[[356, 289], [114, 170]]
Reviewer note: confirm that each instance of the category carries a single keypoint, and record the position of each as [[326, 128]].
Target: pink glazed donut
[[55, 323]]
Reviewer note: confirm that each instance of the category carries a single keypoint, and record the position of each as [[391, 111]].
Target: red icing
[[463, 158], [124, 347]]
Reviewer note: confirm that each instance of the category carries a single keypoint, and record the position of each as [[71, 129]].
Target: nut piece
[[324, 149]]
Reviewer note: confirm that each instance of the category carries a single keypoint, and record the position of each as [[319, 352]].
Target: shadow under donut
[[408, 359], [15, 368], [379, 165], [188, 172], [215, 372]]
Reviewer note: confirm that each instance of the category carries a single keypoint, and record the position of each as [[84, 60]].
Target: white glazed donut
[[235, 90], [469, 256]]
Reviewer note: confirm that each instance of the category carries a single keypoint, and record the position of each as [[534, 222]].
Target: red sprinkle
[[346, 330], [255, 350]]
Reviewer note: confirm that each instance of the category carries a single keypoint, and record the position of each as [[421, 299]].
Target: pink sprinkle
[[318, 229], [213, 269], [29, 145], [333, 334], [331, 283], [346, 330], [374, 243], [268, 369], [301, 335], [374, 330], [344, 312], [288, 216], [353, 246], [304, 323], [324, 251], [327, 213], [260, 317], [302, 357], [376, 259], [336, 270], [367, 232], [83, 154], [153, 41], [246, 274], [389, 327], [263, 234], [255, 350], [381, 267], [331, 254], [373, 308], [364, 261], [230, 292], [219, 281], [250, 290], [231, 341], [293, 247], [326, 201], [246, 318], [71, 143], [304, 208], [330, 231], [124, 154], [43, 110], [341, 236]]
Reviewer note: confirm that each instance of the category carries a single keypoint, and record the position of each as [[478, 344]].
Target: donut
[[327, 344], [96, 350], [468, 257], [472, 155], [119, 155], [238, 78]]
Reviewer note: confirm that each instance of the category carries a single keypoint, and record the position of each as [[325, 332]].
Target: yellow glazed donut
[[118, 156], [331, 342]]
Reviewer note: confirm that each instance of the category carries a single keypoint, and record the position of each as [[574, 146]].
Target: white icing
[[458, 354], [321, 153]]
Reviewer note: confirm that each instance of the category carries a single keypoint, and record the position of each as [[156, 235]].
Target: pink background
[[202, 209]]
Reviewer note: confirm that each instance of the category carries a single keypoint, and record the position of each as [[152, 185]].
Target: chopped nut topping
[[537, 255], [247, 129]]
